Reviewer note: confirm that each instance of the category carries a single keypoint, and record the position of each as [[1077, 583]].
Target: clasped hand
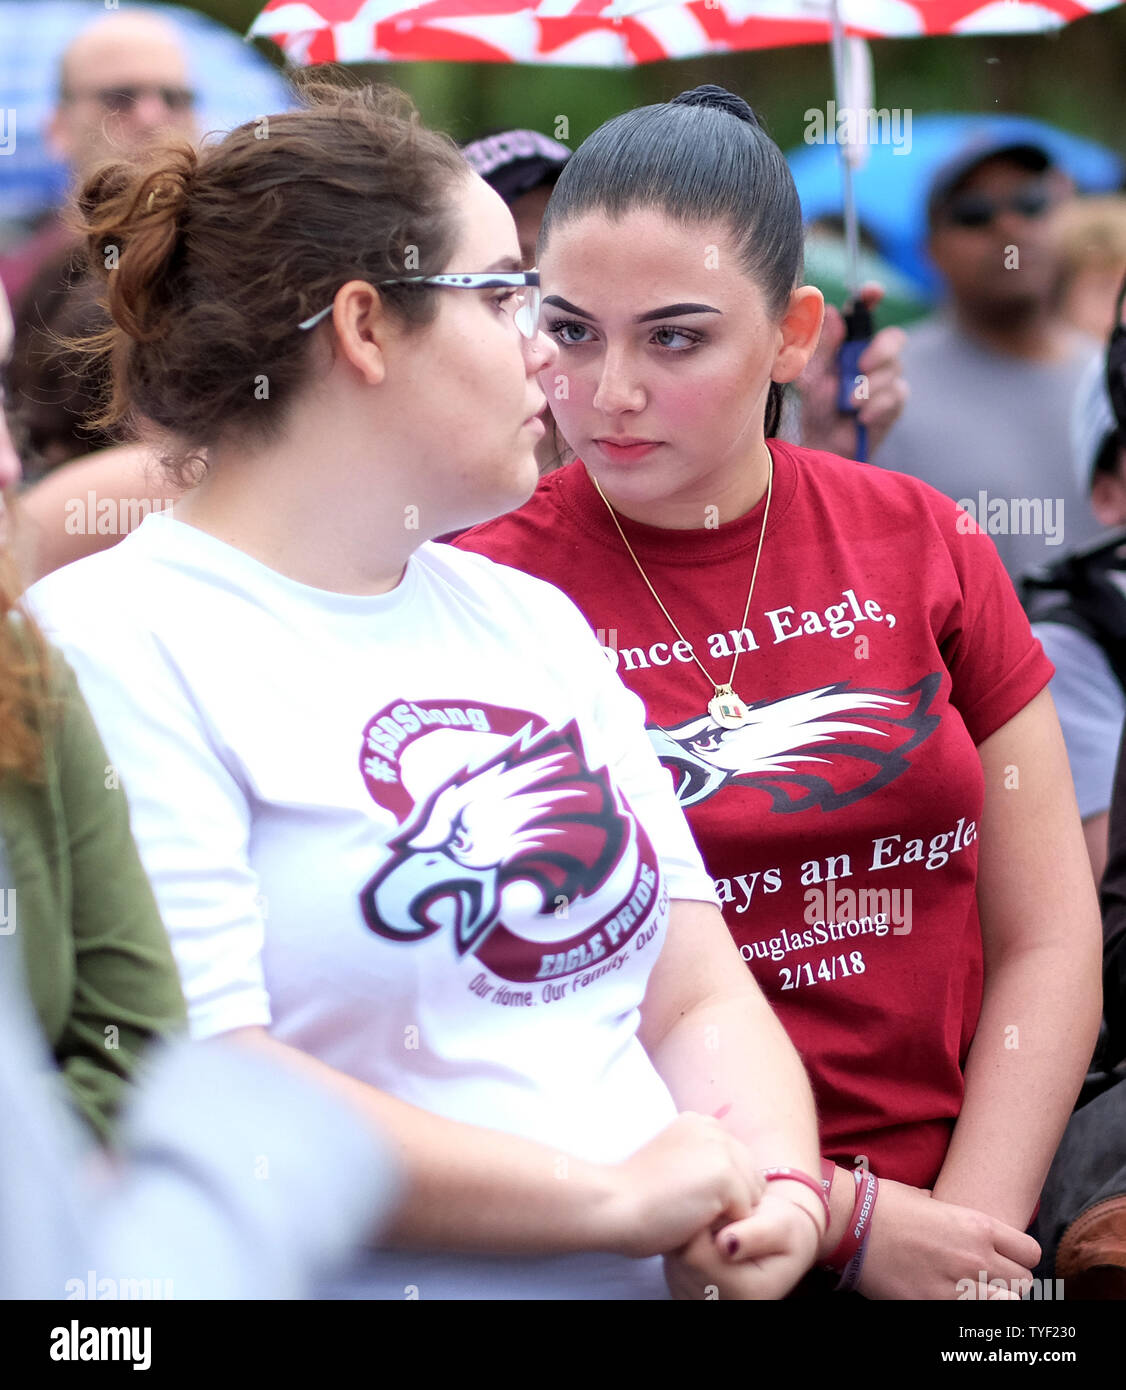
[[688, 1194], [762, 1256]]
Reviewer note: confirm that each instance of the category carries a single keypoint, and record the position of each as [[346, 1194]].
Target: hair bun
[[132, 215], [720, 99], [160, 182], [168, 194]]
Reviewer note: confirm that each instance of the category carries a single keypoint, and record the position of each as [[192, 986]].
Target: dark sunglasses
[[121, 100], [977, 210], [1116, 368]]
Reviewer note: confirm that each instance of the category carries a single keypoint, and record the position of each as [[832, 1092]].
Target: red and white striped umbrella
[[623, 33]]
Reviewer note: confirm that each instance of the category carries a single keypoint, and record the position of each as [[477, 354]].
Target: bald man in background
[[123, 82]]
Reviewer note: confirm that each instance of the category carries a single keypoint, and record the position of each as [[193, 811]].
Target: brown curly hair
[[211, 258]]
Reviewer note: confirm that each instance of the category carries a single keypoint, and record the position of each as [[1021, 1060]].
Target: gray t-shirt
[[992, 432], [1091, 707]]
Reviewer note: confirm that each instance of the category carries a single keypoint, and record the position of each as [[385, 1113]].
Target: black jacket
[[1085, 590], [1113, 902]]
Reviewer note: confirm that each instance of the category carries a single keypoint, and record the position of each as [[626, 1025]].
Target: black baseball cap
[[516, 161], [975, 151]]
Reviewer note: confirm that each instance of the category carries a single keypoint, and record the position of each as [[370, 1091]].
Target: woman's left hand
[[776, 1245], [885, 388]]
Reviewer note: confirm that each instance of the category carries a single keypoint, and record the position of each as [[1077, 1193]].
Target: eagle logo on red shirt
[[827, 747]]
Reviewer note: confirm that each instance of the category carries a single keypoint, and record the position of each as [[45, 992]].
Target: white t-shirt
[[421, 835]]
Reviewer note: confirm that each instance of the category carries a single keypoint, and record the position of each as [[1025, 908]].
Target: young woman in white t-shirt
[[404, 826]]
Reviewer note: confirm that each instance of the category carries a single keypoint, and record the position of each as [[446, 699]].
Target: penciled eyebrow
[[506, 263], [670, 311]]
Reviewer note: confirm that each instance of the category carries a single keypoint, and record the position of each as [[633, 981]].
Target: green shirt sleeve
[[100, 967]]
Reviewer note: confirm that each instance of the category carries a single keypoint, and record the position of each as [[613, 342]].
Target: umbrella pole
[[857, 317], [852, 240]]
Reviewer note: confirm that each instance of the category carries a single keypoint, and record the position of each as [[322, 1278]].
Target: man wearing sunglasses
[[993, 374], [123, 82]]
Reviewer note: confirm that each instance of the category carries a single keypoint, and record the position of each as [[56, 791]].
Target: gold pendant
[[727, 710]]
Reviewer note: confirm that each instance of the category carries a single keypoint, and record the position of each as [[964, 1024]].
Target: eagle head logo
[[827, 747], [533, 814]]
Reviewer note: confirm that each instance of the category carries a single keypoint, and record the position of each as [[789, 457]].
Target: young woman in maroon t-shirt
[[893, 732]]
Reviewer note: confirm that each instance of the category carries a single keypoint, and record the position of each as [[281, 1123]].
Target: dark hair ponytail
[[703, 155], [719, 99]]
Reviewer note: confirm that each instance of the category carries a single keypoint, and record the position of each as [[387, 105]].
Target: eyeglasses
[[978, 210], [526, 316], [120, 101]]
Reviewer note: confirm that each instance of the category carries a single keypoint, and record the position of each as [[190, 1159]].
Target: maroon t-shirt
[[840, 823]]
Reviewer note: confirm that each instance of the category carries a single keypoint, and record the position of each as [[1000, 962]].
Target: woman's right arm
[[474, 1189]]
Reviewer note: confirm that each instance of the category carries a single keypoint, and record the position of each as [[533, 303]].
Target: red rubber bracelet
[[847, 1245], [854, 1233], [862, 1229], [796, 1175]]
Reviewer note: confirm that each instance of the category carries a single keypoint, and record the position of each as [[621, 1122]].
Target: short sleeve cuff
[[685, 883], [249, 1010], [1022, 684]]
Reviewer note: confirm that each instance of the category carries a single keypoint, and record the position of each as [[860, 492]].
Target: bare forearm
[[470, 1188], [706, 1063], [732, 1058], [1041, 938], [1037, 1029], [721, 1051]]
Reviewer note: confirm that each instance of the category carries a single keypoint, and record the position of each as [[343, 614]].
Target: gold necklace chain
[[719, 689]]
